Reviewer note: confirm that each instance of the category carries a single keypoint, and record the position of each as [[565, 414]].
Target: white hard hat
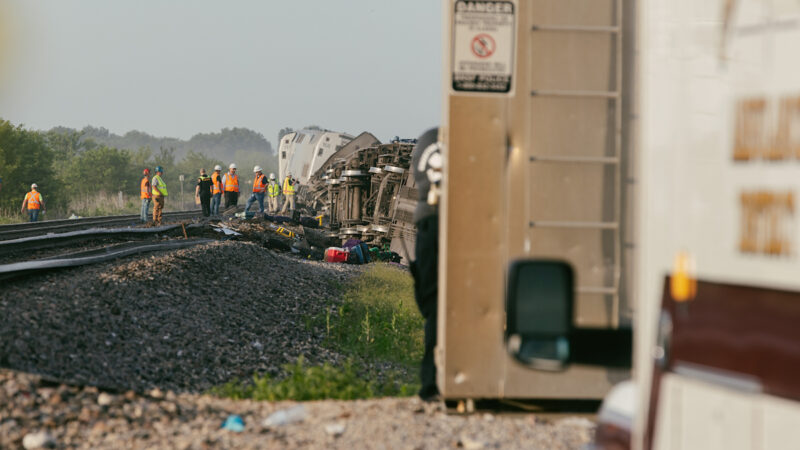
[[232, 166], [257, 169], [34, 185], [217, 167], [271, 176]]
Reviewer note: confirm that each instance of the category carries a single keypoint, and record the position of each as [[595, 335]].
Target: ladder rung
[[561, 93], [577, 159], [573, 224], [582, 28], [596, 290]]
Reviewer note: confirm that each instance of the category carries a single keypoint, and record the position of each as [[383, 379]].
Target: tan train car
[[537, 129]]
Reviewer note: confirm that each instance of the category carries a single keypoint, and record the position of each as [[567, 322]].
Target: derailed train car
[[368, 193]]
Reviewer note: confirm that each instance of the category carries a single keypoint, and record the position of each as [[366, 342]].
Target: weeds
[[304, 383], [378, 318]]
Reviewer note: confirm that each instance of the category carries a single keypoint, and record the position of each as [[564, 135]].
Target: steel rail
[[14, 231], [54, 240], [28, 267]]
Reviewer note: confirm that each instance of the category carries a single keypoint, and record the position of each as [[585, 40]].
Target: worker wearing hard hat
[[33, 203], [273, 191], [203, 191], [146, 194], [216, 190], [259, 189], [289, 184], [230, 183], [159, 189]]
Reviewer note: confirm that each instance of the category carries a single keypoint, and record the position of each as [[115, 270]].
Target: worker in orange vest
[[146, 194], [259, 189], [230, 182], [33, 202], [216, 190]]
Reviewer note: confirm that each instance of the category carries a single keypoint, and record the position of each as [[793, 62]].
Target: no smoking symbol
[[483, 45]]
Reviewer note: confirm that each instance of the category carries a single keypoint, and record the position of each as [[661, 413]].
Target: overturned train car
[[368, 193]]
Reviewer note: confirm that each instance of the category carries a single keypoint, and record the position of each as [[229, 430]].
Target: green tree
[[102, 169], [25, 158]]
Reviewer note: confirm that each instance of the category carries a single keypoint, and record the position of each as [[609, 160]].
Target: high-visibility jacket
[[159, 187], [34, 200], [216, 183], [288, 189], [231, 182], [146, 188], [260, 184], [274, 189]]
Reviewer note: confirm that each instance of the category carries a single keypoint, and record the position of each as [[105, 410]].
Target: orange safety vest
[[146, 188], [231, 182], [216, 184], [34, 200], [260, 184]]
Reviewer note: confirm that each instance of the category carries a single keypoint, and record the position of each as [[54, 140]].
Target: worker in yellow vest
[[230, 182], [159, 189], [259, 189], [33, 203], [216, 190], [146, 194], [288, 192], [273, 191]]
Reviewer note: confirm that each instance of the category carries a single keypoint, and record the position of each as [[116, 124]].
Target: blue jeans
[[257, 196], [34, 215], [215, 199], [145, 208]]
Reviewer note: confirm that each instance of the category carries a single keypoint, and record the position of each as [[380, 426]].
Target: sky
[[177, 68]]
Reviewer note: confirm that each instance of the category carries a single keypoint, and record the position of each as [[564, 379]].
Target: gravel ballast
[[123, 350]]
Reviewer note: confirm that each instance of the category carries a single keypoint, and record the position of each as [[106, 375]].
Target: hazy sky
[[176, 68]]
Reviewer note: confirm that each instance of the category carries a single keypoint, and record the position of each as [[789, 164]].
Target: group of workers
[[210, 190]]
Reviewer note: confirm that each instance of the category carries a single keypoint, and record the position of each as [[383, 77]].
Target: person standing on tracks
[[426, 162], [259, 189], [289, 192], [146, 194], [216, 190], [273, 191], [203, 190], [159, 189], [33, 203], [230, 182]]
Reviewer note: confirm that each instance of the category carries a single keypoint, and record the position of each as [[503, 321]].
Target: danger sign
[[484, 37]]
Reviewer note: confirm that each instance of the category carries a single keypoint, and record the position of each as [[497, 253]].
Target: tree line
[[67, 164]]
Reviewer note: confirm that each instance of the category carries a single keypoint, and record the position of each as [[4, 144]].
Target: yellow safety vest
[[288, 189], [274, 189], [158, 186]]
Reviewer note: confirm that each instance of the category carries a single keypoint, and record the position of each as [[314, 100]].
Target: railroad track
[[20, 230]]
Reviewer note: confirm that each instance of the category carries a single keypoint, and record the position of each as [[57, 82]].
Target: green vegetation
[[378, 318], [375, 322], [304, 382], [83, 172]]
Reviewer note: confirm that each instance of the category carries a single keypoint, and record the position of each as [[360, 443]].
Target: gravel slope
[[184, 320]]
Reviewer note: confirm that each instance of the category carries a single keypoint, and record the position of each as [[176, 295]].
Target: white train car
[[302, 152]]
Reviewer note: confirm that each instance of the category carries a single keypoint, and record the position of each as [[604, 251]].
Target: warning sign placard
[[484, 34]]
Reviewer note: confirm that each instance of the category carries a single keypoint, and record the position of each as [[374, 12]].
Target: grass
[[378, 318], [304, 383], [375, 322]]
